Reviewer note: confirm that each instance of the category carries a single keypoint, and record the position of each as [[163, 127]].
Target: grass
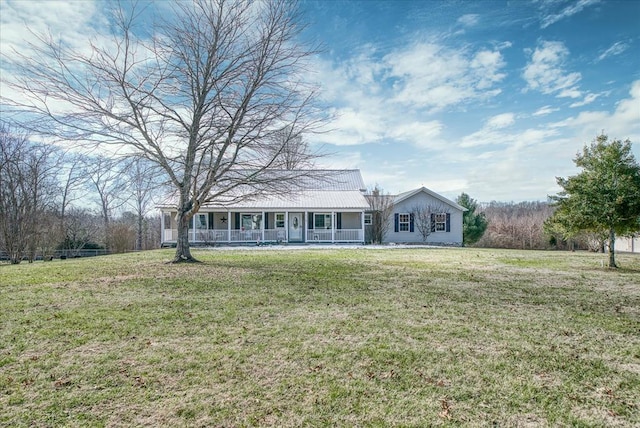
[[356, 337]]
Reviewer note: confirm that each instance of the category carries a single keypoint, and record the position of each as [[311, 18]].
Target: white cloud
[[588, 99], [501, 121], [543, 111], [469, 20], [622, 123], [435, 77], [420, 134], [616, 49], [70, 23], [566, 12], [545, 71]]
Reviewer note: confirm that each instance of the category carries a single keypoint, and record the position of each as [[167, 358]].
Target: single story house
[[423, 216], [331, 207]]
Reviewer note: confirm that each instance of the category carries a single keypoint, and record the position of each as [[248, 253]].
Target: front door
[[296, 227]]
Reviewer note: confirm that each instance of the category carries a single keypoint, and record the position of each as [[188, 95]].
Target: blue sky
[[491, 98]]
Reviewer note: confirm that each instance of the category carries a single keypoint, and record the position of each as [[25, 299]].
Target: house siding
[[453, 237]]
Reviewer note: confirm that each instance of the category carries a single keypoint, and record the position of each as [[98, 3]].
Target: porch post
[[262, 226], [362, 226], [161, 228], [333, 226], [306, 226], [286, 226], [228, 227]]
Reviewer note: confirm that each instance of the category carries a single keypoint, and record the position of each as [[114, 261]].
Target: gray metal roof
[[314, 190], [406, 195], [306, 199]]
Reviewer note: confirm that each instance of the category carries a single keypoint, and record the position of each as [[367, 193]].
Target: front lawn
[[330, 337]]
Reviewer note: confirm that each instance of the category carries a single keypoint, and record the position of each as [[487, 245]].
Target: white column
[[333, 226], [362, 225], [262, 225], [286, 226], [228, 226]]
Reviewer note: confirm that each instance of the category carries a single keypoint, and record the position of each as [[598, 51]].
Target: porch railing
[[338, 235], [270, 235]]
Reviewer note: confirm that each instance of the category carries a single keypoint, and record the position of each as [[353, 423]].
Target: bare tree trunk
[[183, 250], [612, 249]]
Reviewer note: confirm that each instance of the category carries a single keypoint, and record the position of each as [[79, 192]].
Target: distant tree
[[473, 224], [27, 193], [381, 209], [82, 229], [288, 150], [145, 179], [107, 178], [604, 196]]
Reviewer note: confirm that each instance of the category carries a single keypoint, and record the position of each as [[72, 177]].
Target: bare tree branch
[[213, 98]]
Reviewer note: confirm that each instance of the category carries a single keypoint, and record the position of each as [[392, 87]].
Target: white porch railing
[[337, 235], [349, 235], [270, 235]]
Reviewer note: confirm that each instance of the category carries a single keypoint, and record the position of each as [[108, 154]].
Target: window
[[201, 221], [403, 222], [279, 220], [167, 220], [441, 222], [367, 219], [322, 221], [250, 221]]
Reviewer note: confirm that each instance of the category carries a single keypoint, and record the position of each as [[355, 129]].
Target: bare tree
[[82, 228], [381, 208], [202, 98], [73, 179], [289, 150], [107, 179], [145, 179], [429, 218], [27, 189], [517, 225]]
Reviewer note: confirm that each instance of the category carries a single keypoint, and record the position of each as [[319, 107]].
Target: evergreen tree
[[473, 225], [604, 197]]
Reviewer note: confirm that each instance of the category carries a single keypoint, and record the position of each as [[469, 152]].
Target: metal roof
[[406, 195], [314, 190], [307, 199]]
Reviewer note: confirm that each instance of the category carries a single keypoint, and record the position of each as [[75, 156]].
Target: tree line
[[56, 202]]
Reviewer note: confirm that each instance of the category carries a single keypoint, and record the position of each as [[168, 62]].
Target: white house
[[628, 244], [330, 208]]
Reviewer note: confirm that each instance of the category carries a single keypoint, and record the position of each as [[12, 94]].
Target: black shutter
[[339, 221], [448, 222], [433, 222], [266, 220], [210, 220], [237, 215], [411, 227], [396, 222], [310, 221]]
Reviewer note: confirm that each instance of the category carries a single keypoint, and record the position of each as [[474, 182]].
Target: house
[[330, 207], [425, 217], [628, 244]]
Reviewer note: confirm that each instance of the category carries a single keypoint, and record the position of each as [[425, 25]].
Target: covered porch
[[257, 227]]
